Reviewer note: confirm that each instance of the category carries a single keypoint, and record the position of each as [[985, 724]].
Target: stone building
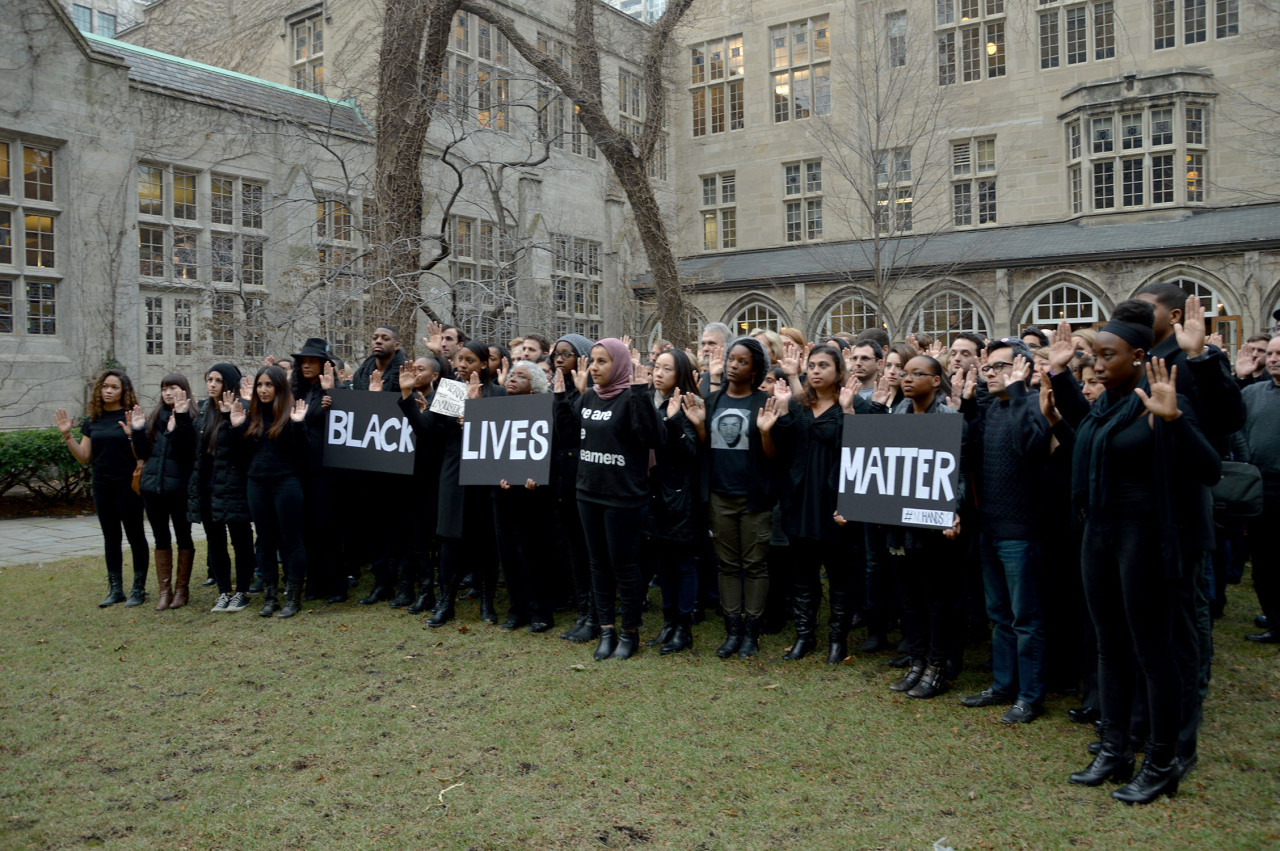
[[947, 165]]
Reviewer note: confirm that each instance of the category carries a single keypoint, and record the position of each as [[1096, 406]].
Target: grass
[[352, 727]]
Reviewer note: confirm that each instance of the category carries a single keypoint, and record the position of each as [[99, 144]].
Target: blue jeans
[[1009, 577]]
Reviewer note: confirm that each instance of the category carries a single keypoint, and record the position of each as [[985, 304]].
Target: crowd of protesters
[[1085, 545]]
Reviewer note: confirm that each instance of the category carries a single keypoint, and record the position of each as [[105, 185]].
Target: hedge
[[38, 460]]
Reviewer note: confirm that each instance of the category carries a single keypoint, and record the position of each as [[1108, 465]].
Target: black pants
[[1263, 533], [277, 507], [575, 541], [881, 591], [613, 545], [325, 575], [241, 533], [931, 582], [163, 509], [526, 556], [476, 551], [1133, 606], [119, 507]]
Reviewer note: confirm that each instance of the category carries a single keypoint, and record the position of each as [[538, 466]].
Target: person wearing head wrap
[[217, 495], [742, 477], [569, 353], [618, 427]]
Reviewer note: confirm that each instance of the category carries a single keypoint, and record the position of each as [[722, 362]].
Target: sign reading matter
[[506, 437], [900, 470], [366, 431]]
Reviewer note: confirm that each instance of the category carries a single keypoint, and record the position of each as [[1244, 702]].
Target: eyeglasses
[[918, 374], [562, 355], [998, 366]]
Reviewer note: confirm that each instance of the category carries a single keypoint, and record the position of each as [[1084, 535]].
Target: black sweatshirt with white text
[[615, 438]]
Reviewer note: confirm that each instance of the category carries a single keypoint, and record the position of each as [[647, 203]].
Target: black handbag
[[1238, 494]]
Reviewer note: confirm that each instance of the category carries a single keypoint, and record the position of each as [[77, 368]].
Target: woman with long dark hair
[[105, 443], [166, 442], [619, 427], [465, 523], [274, 438], [311, 379], [1139, 461], [676, 515], [569, 354], [218, 496]]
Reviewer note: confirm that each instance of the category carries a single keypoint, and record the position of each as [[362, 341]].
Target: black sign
[[900, 470], [506, 437], [367, 431]]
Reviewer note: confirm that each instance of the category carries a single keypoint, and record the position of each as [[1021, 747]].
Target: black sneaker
[[1020, 713], [988, 697]]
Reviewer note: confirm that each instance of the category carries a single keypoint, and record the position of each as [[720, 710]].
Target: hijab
[[620, 377]]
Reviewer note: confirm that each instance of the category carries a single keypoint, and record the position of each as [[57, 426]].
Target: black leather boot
[[750, 638], [115, 590], [668, 627], [1114, 762], [404, 595], [443, 611], [732, 636], [912, 678], [138, 593], [379, 593], [839, 628], [255, 587], [425, 601], [487, 612], [608, 643], [933, 682], [269, 604], [804, 610], [681, 636], [292, 600], [628, 644], [1158, 776]]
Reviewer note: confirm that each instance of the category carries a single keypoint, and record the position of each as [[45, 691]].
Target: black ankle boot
[[425, 601], [515, 620], [487, 612], [732, 636], [681, 636], [933, 682], [839, 649], [269, 604], [668, 627], [1158, 776], [912, 678], [443, 612], [1107, 765], [115, 591], [377, 595], [404, 597], [608, 643], [138, 593], [802, 647], [292, 601], [571, 633], [628, 644], [255, 587], [750, 638]]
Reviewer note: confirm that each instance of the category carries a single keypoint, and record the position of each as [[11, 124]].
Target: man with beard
[[865, 364]]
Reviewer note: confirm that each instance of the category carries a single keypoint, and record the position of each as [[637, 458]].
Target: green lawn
[[352, 727]]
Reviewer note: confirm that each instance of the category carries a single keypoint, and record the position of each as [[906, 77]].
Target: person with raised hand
[[743, 474], [272, 436], [217, 495], [166, 443], [1139, 461], [104, 443], [809, 502], [619, 427]]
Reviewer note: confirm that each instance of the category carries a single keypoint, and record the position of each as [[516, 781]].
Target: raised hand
[[1062, 349], [937, 349], [848, 393], [375, 380], [474, 388], [635, 356], [791, 360], [1017, 373], [237, 413], [769, 413], [715, 362], [422, 404], [695, 409], [639, 373], [224, 404], [327, 378], [1215, 340], [970, 389], [299, 412], [883, 391], [912, 342], [181, 401], [246, 387], [626, 340], [136, 420], [1048, 406], [1191, 330], [1162, 401], [407, 378], [62, 421], [269, 360], [435, 337], [580, 379], [782, 395], [557, 383], [674, 403], [1247, 362], [504, 371]]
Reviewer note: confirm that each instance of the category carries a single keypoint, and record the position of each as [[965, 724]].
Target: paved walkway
[[30, 540]]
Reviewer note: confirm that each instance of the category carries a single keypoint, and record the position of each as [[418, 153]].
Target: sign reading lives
[[900, 470], [506, 437], [366, 431]]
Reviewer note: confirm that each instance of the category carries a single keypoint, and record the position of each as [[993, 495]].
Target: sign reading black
[[900, 470], [506, 437], [366, 431]]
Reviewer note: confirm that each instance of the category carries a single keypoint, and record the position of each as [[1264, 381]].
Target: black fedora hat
[[315, 347]]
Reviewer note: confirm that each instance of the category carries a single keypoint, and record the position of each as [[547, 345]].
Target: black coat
[[219, 482], [169, 456], [675, 502]]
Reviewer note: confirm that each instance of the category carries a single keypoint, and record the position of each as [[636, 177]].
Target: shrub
[[38, 460]]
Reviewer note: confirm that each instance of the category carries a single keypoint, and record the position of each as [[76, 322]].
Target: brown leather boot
[[182, 578], [164, 573]]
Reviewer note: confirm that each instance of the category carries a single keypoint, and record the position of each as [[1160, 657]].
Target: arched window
[[1064, 302], [851, 316], [1209, 297], [756, 315], [947, 314]]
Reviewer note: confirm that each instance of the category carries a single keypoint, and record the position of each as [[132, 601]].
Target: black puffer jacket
[[169, 456], [219, 483]]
